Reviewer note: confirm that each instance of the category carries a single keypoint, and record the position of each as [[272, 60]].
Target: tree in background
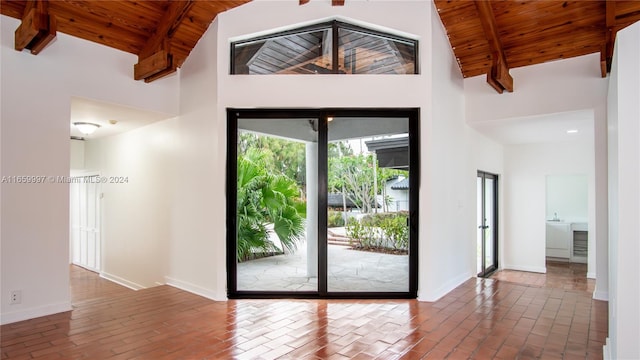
[[281, 156], [353, 176], [266, 197]]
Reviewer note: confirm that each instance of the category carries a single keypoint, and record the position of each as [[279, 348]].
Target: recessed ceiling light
[[572, 131]]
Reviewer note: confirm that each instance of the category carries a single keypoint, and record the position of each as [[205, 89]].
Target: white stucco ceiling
[[98, 112], [547, 128]]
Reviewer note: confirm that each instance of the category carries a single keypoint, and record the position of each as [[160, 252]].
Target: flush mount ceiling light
[[86, 127], [572, 131]]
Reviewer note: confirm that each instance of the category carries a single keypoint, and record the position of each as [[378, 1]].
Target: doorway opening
[[487, 221], [322, 203], [85, 216], [566, 221]]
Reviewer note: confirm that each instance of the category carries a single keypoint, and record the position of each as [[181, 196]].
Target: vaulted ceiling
[[161, 32], [487, 37], [491, 37]]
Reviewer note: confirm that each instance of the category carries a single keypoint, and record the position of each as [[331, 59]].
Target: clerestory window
[[312, 50]]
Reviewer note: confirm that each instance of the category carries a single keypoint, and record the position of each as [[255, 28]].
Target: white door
[[85, 222]]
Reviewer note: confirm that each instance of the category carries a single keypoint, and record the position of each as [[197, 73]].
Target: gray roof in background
[[401, 185]]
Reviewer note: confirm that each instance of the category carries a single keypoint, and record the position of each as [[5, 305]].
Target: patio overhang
[[342, 128], [391, 152]]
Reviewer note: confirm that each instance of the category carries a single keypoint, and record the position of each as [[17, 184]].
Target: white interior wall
[[566, 197], [198, 221], [198, 260], [448, 182], [488, 156], [554, 87], [624, 197], [527, 167], [77, 155], [136, 214], [36, 96]]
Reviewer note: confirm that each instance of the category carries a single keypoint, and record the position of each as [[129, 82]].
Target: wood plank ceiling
[[491, 37], [487, 37], [161, 32]]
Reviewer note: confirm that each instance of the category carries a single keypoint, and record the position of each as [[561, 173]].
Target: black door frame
[[233, 114], [487, 271]]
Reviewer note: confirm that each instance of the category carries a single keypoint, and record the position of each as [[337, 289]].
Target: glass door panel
[[487, 238], [368, 204], [489, 211], [480, 222], [276, 239], [319, 206]]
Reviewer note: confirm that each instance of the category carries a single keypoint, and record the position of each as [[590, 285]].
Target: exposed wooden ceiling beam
[[499, 77], [37, 29], [156, 57], [606, 54], [617, 17]]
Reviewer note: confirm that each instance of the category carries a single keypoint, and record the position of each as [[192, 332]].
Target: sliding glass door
[[322, 203], [487, 237], [368, 204]]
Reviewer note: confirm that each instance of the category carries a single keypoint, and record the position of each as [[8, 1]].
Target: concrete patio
[[349, 270]]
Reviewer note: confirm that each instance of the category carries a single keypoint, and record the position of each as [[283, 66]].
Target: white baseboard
[[443, 290], [601, 295], [536, 269], [196, 289], [26, 314], [606, 350], [120, 281]]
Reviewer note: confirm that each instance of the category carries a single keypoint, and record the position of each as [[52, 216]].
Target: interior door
[[487, 222], [85, 222]]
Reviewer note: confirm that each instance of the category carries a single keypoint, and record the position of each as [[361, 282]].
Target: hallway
[[482, 319]]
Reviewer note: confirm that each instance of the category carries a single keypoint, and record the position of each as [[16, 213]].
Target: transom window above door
[[312, 50]]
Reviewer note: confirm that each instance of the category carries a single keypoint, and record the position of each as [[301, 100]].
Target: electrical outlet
[[16, 297]]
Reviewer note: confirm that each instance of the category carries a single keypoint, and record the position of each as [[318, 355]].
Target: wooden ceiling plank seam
[[560, 53], [539, 10], [499, 68], [84, 30], [551, 34], [526, 27], [552, 44], [121, 14], [543, 58], [564, 19], [551, 39], [74, 22]]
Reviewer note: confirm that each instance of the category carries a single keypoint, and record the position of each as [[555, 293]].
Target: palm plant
[[266, 198]]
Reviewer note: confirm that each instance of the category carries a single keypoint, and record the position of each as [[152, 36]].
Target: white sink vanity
[[567, 240]]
